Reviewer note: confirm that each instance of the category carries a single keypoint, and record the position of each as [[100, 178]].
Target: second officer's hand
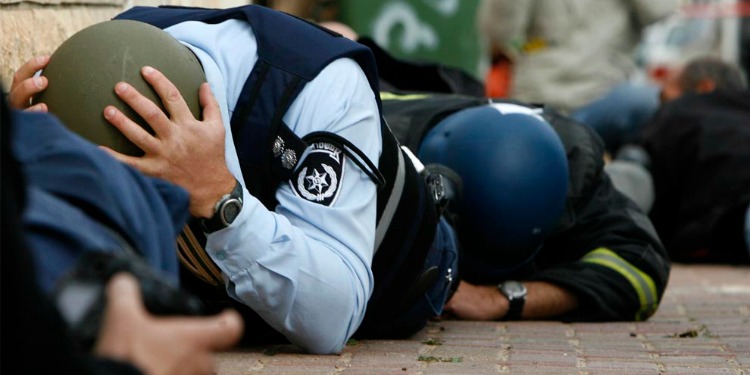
[[184, 150], [476, 302], [26, 84]]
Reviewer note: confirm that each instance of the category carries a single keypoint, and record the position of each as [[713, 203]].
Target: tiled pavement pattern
[[702, 327]]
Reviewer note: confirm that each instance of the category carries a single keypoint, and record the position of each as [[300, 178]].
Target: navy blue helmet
[[514, 172]]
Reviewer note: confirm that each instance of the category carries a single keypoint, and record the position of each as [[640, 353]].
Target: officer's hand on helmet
[[476, 302], [25, 85], [183, 150]]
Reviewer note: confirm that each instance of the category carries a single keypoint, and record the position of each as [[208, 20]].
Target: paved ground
[[702, 327]]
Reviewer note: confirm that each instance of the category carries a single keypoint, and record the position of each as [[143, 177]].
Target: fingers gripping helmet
[[84, 69], [514, 172]]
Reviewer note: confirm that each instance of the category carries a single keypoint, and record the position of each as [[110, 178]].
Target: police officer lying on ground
[[543, 233], [593, 257], [318, 225]]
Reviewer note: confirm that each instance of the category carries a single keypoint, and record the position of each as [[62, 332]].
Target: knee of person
[[635, 154], [640, 100], [632, 180], [640, 95], [620, 113]]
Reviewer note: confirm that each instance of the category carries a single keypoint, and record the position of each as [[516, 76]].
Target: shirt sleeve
[[606, 250], [305, 267]]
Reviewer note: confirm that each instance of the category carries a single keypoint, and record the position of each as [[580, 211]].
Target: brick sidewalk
[[702, 327]]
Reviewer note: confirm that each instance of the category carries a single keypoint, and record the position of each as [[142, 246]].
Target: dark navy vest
[[291, 52]]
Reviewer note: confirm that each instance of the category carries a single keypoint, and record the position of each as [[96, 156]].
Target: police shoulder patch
[[319, 176]]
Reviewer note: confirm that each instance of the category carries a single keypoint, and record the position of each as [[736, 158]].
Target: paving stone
[[701, 328]]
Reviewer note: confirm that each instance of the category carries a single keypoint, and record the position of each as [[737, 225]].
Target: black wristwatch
[[226, 210], [515, 291]]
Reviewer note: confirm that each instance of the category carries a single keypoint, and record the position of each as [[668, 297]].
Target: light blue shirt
[[304, 267]]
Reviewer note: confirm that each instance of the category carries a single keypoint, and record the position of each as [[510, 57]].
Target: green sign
[[442, 31]]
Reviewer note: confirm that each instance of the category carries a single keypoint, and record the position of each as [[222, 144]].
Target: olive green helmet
[[84, 69]]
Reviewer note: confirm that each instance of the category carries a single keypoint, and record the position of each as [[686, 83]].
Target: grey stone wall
[[32, 28]]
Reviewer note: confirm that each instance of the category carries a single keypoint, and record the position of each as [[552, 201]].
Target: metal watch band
[[226, 210]]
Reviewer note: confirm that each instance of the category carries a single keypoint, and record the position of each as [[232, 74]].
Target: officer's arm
[[485, 302], [305, 266], [617, 267], [546, 300]]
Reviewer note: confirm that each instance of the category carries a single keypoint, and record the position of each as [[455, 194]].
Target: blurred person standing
[[576, 56]]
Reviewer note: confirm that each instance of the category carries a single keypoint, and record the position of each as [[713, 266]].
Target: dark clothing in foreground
[[82, 200], [603, 249], [699, 146], [40, 341]]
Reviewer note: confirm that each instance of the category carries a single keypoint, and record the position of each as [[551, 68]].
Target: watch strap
[[515, 302]]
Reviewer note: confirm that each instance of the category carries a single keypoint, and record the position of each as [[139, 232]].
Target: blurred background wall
[[444, 31], [436, 30], [31, 28], [441, 31], [431, 30]]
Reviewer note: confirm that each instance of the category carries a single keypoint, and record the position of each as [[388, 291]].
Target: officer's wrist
[[203, 205], [515, 296], [226, 210], [503, 305]]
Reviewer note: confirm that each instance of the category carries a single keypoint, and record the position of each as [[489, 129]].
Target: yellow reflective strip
[[384, 95], [642, 283]]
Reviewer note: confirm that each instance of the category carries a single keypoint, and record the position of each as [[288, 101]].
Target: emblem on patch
[[318, 178]]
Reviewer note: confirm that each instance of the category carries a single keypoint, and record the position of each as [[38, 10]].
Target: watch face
[[514, 289], [230, 210]]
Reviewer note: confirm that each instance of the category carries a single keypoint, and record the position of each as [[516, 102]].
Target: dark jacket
[[700, 161], [81, 200], [35, 337], [603, 249]]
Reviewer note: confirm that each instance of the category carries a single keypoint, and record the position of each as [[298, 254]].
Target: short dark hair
[[726, 76]]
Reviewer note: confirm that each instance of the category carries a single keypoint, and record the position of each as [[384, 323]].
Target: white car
[[696, 30]]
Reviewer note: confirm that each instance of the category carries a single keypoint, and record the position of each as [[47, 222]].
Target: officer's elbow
[[328, 327], [324, 347], [324, 339]]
